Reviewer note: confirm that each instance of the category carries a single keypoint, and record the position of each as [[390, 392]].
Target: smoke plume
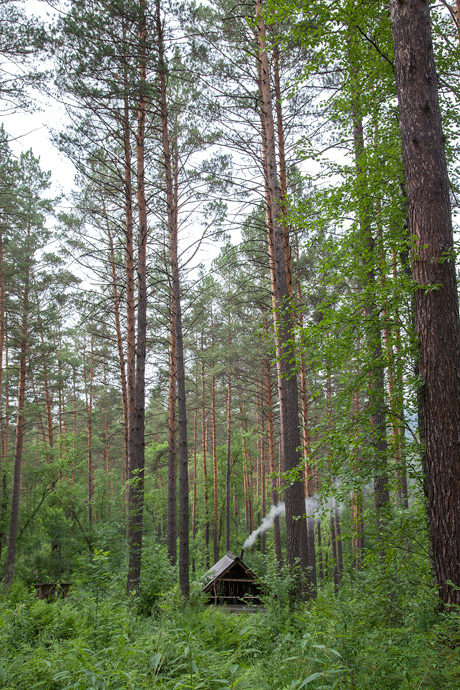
[[312, 506], [267, 522]]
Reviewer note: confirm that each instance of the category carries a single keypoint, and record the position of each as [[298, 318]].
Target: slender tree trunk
[[282, 167], [272, 459], [263, 460], [46, 389], [136, 436], [371, 310], [306, 445], [204, 443], [171, 537], [229, 445], [171, 196], [3, 455], [19, 438], [89, 426], [357, 495], [4, 451], [195, 441], [436, 306], [214, 453], [120, 347]]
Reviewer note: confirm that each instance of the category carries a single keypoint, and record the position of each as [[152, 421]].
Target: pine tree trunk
[[89, 428], [136, 437], [171, 196], [3, 429], [228, 469], [120, 348], [282, 167], [433, 268], [46, 389], [171, 536], [19, 438], [195, 441], [272, 460], [214, 466], [296, 532], [4, 451], [204, 443]]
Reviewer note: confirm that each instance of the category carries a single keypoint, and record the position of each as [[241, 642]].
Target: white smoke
[[267, 522], [313, 505]]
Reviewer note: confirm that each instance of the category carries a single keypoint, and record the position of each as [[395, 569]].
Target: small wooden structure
[[231, 583], [52, 590]]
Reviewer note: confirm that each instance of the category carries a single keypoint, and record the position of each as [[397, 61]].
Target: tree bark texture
[[171, 199], [433, 269], [296, 532]]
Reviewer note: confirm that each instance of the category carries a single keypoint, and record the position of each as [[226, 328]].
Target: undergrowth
[[370, 635]]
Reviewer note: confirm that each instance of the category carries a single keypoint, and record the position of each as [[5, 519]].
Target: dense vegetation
[[245, 314]]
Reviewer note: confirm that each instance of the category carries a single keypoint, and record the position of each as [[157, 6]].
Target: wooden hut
[[231, 583], [52, 590]]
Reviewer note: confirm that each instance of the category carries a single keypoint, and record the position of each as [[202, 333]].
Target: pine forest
[[230, 347]]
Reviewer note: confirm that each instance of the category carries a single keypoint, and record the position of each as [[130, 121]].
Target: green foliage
[[349, 641], [158, 577]]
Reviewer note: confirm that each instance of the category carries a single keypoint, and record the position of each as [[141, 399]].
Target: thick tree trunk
[[433, 268], [296, 529], [171, 197]]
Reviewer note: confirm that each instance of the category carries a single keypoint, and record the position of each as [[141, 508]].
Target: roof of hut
[[225, 564]]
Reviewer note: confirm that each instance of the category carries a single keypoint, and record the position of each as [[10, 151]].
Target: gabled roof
[[223, 566]]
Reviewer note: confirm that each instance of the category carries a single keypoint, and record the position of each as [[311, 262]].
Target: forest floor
[[365, 640]]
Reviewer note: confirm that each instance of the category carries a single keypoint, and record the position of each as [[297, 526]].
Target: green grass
[[357, 640]]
